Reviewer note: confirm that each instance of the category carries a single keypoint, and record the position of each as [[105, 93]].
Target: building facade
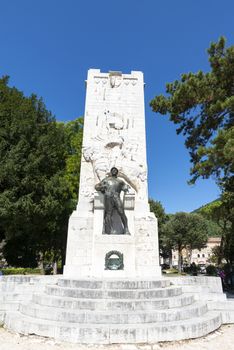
[[199, 257]]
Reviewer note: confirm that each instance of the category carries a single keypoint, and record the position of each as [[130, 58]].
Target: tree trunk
[[170, 259], [190, 256], [40, 262], [55, 268], [231, 243], [179, 259], [222, 243]]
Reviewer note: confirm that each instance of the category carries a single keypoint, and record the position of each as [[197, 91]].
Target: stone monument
[[114, 137], [112, 290]]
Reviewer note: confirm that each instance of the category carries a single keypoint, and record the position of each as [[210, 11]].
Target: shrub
[[211, 270], [170, 271], [20, 271]]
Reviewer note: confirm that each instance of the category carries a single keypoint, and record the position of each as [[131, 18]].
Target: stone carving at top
[[115, 79], [109, 87], [132, 81], [112, 87], [101, 80]]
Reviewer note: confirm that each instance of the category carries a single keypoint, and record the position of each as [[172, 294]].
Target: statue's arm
[[100, 186], [125, 187]]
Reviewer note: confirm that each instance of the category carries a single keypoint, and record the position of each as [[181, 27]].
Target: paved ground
[[222, 339]]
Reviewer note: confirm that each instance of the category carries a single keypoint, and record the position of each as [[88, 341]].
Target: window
[[198, 255], [203, 255]]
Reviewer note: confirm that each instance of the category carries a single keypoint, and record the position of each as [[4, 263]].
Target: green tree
[[35, 195], [157, 208], [74, 137], [218, 213], [185, 231], [202, 106], [73, 131]]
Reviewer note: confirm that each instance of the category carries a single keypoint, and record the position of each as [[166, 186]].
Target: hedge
[[20, 271]]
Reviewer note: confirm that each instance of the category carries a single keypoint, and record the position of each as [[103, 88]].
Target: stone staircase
[[15, 289], [113, 311]]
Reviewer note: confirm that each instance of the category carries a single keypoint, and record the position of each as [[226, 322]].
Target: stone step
[[113, 294], [16, 279], [14, 296], [118, 333], [11, 305], [2, 317], [114, 284], [113, 317], [227, 316], [227, 304], [12, 287], [225, 307], [29, 279], [108, 304]]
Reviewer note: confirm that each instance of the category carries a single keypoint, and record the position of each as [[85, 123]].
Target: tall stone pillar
[[114, 135]]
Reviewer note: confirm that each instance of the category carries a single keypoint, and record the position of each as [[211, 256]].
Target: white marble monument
[[114, 136], [112, 290]]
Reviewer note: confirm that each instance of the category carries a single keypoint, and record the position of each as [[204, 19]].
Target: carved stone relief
[[115, 81], [86, 188], [113, 150], [98, 157], [111, 143], [114, 87]]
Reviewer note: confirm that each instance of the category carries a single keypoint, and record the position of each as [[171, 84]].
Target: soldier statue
[[111, 188]]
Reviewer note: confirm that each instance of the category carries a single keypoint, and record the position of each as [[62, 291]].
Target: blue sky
[[47, 46]]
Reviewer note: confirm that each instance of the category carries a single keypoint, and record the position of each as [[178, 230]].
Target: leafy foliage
[[157, 208], [211, 270], [20, 271], [184, 230], [35, 177], [218, 213], [74, 136], [202, 106]]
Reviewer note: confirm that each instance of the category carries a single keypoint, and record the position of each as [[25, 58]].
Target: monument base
[[106, 311], [90, 253]]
